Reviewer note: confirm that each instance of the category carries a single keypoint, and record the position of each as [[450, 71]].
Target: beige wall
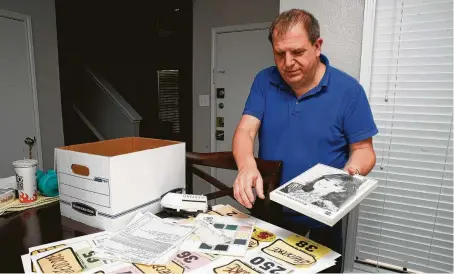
[[341, 27], [209, 14], [44, 29]]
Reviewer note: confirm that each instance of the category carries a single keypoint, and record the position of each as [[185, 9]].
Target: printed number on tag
[[265, 265], [191, 260], [308, 246], [87, 257], [252, 243]]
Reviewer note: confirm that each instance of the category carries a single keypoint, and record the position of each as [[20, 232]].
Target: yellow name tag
[[63, 261], [235, 266], [34, 252], [287, 253], [308, 246]]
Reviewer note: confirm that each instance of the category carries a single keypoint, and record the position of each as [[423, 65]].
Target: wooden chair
[[270, 170]]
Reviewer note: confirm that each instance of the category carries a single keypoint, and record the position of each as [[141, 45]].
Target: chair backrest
[[270, 171]]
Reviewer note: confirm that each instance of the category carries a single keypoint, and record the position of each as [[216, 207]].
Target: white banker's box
[[104, 184]]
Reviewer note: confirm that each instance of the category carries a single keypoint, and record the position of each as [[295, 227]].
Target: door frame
[[351, 228], [26, 19], [214, 32]]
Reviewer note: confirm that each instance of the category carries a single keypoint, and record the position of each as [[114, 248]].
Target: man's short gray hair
[[293, 17]]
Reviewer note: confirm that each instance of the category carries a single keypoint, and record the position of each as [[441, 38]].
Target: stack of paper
[[148, 240]]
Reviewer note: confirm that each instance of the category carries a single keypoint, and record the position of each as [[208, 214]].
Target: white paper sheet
[[239, 231], [209, 235], [145, 240], [26, 263]]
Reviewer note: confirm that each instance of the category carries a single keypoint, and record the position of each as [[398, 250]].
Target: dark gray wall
[[209, 14], [44, 30]]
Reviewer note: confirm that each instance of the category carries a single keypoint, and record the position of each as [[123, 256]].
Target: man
[[305, 112]]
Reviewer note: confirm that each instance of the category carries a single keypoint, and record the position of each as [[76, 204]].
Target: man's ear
[[318, 46]]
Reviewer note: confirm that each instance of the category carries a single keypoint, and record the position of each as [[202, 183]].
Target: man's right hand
[[247, 178]]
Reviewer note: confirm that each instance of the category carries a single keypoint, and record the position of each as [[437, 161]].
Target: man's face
[[295, 56]]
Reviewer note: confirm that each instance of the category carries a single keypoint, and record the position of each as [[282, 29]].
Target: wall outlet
[[204, 100]]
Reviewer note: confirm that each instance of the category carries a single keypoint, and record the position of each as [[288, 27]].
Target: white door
[[240, 54], [17, 92]]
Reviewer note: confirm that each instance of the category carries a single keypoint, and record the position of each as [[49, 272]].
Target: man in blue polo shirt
[[305, 112]]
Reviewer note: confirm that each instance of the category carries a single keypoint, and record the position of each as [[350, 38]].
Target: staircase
[[103, 111]]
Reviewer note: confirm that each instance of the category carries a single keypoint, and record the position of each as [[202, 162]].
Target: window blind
[[169, 98], [408, 220]]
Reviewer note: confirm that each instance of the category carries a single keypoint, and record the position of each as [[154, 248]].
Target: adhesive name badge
[[228, 210], [289, 254], [63, 261], [171, 268], [34, 252], [191, 260], [264, 264], [252, 243], [235, 266], [308, 246], [263, 235]]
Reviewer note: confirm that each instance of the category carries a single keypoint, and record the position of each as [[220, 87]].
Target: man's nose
[[289, 61]]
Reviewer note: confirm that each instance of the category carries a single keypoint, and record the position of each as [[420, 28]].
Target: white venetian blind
[[408, 221], [169, 98]]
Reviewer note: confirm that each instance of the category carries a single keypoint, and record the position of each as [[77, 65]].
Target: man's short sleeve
[[358, 120], [255, 104]]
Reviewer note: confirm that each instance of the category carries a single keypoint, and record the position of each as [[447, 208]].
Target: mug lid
[[25, 163]]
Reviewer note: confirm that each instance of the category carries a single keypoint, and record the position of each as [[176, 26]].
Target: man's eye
[[280, 53]]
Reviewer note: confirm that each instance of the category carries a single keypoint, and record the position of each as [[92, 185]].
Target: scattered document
[[209, 235], [144, 241], [238, 231]]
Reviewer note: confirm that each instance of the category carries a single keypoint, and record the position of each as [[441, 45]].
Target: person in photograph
[[329, 192]]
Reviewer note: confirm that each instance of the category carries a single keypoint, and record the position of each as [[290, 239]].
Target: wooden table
[[32, 227]]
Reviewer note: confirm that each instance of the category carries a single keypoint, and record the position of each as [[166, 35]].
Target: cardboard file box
[[104, 184]]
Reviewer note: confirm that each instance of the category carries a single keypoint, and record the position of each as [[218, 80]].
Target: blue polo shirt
[[317, 127]]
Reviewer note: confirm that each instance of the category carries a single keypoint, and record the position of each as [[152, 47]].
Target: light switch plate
[[204, 100]]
